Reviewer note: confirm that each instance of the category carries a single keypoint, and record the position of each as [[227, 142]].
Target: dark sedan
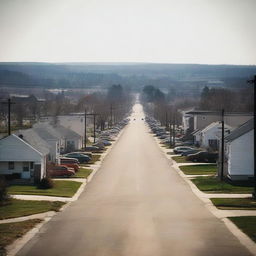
[[203, 156], [80, 157]]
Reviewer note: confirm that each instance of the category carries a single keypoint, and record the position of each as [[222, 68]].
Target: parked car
[[106, 142], [79, 156], [99, 144], [190, 152], [203, 156], [60, 171], [70, 163], [179, 150], [69, 159], [92, 149]]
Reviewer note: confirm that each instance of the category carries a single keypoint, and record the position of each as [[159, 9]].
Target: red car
[[61, 171], [70, 163]]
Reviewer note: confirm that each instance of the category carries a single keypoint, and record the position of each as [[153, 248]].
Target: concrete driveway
[[136, 205]]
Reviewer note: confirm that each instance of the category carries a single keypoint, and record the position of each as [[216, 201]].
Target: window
[[31, 165], [25, 166], [11, 165]]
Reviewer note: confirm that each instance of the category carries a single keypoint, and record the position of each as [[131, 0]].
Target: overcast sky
[[162, 31]]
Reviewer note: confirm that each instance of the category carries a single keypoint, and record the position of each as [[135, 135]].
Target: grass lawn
[[199, 169], [234, 203], [213, 185], [247, 224], [61, 188], [180, 159], [95, 158], [18, 208], [83, 173], [9, 232]]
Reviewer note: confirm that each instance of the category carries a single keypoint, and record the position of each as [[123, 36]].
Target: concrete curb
[[13, 248], [220, 214]]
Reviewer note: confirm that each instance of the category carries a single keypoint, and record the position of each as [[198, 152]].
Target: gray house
[[239, 153]]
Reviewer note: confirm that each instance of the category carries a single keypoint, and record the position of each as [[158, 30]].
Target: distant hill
[[136, 75]]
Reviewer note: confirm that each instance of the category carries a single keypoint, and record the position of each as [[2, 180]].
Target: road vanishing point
[[136, 205]]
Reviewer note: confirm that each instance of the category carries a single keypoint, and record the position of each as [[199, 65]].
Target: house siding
[[240, 160]]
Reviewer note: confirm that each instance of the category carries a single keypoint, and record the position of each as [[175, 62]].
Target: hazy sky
[[165, 31]]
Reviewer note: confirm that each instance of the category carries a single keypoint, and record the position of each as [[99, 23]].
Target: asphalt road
[[136, 205]]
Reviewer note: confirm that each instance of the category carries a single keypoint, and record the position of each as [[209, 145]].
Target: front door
[[25, 171]]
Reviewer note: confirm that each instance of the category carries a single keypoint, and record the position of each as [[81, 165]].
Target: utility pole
[[111, 114], [253, 81], [173, 128], [222, 144], [170, 130], [166, 120], [85, 124], [9, 103], [94, 126]]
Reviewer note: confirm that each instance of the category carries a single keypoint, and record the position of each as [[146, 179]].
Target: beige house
[[201, 119]]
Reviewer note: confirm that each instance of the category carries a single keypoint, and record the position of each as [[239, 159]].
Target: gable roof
[[216, 124], [57, 131], [241, 130], [13, 148], [67, 133], [32, 138], [207, 112]]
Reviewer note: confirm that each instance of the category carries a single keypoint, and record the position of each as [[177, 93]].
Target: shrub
[[46, 183], [4, 197]]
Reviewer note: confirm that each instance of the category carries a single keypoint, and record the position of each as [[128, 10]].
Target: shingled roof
[[241, 130]]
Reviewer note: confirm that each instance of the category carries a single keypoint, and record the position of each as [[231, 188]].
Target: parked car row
[[196, 155], [69, 163], [184, 148]]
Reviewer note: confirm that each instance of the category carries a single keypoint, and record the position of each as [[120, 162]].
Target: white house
[[210, 135], [239, 150], [53, 140], [72, 140], [20, 158]]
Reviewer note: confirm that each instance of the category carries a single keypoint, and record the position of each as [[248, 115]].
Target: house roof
[[13, 148], [206, 112], [46, 133], [241, 130], [57, 131], [30, 136], [67, 133], [216, 124]]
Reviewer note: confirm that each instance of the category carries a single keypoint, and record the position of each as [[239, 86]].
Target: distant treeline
[[80, 75]]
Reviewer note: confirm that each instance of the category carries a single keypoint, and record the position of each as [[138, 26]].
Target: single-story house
[[210, 135], [239, 153], [72, 140], [67, 138], [18, 157]]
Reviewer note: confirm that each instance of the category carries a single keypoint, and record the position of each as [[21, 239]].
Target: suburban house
[[20, 159], [34, 135], [68, 139], [239, 150], [72, 140], [210, 135], [199, 119]]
